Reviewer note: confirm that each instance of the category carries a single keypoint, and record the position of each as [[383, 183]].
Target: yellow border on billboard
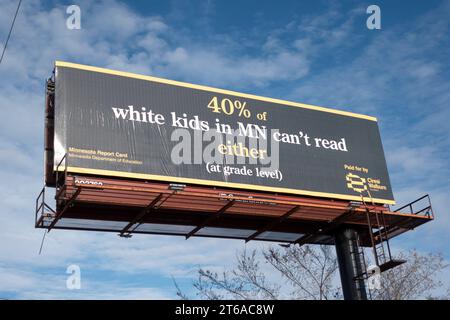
[[211, 89], [252, 187]]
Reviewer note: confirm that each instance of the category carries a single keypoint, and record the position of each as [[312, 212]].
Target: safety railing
[[426, 209], [42, 209]]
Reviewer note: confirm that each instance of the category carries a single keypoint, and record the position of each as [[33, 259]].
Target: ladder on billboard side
[[379, 237], [365, 275], [380, 240]]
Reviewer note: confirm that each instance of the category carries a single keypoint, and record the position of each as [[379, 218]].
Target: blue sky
[[317, 52]]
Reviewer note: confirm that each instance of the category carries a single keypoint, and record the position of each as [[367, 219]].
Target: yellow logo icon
[[355, 182]]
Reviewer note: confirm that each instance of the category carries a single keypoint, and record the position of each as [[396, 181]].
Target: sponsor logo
[[356, 182]]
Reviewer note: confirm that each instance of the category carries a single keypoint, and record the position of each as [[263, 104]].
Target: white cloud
[[39, 284]]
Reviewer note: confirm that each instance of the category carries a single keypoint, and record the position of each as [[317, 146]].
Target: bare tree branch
[[412, 280], [179, 293], [246, 281], [310, 273]]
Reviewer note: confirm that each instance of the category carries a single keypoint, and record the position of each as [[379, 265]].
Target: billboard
[[121, 124]]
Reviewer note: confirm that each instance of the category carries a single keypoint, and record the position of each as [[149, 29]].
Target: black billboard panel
[[115, 123]]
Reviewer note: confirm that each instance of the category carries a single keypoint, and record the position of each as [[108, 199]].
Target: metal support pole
[[350, 265]]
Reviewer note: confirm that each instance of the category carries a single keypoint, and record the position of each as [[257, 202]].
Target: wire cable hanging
[[10, 31]]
